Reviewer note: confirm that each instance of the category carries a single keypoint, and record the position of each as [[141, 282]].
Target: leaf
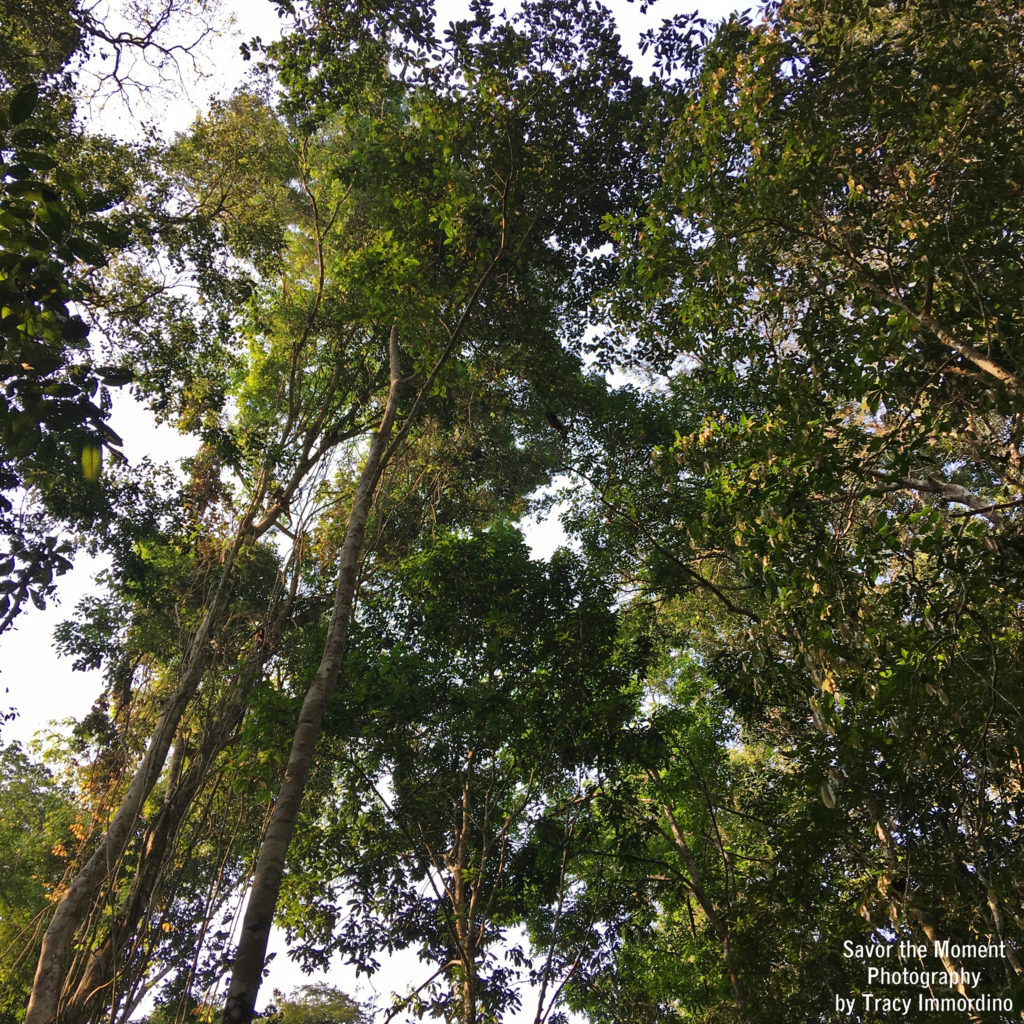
[[32, 190], [116, 376], [23, 103], [88, 251], [92, 462], [39, 161], [106, 234], [25, 138]]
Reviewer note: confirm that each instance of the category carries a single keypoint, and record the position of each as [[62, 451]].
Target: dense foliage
[[768, 706]]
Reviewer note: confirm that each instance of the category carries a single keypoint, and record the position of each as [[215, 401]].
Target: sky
[[33, 680]]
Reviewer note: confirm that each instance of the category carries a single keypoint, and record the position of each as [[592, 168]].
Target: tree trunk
[[259, 914], [718, 924], [914, 914], [106, 963], [57, 946]]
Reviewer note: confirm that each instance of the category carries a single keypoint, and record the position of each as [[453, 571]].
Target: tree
[[58, 231], [805, 510], [318, 1003], [826, 468], [50, 426], [512, 215], [437, 821], [37, 836], [345, 309]]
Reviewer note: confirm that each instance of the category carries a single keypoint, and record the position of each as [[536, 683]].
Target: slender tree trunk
[[998, 920], [57, 947], [468, 999], [107, 961], [914, 914], [718, 924], [259, 914], [466, 928]]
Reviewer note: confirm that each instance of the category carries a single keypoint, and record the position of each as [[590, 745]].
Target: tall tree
[[828, 461], [436, 822], [500, 210], [361, 292], [342, 308]]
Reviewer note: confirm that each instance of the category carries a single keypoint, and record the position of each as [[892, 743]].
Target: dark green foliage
[[825, 476], [37, 39], [486, 686], [772, 702], [54, 400]]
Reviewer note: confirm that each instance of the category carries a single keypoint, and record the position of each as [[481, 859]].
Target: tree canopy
[[751, 323]]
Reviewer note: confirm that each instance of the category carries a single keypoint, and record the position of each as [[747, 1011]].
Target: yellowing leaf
[[92, 461]]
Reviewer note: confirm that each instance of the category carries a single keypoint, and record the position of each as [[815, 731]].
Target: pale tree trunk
[[998, 920], [259, 914], [718, 924], [73, 908], [467, 931], [105, 963], [80, 895], [915, 915]]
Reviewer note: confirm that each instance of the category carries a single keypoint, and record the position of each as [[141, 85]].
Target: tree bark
[[259, 914], [57, 947], [915, 915], [105, 963], [718, 924]]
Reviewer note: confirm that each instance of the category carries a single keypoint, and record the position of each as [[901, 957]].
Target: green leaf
[[38, 161], [88, 251], [36, 138], [23, 103], [92, 462], [116, 376]]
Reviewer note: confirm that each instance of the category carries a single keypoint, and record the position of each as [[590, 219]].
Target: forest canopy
[[750, 324]]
